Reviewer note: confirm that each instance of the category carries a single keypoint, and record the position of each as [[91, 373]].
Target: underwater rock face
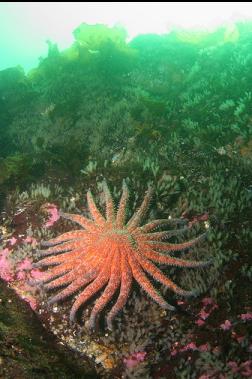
[[27, 350], [172, 111], [142, 327]]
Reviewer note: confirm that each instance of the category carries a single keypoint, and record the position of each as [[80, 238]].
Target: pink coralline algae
[[24, 274], [209, 306], [12, 241], [246, 316], [191, 346], [19, 275], [244, 369], [53, 214], [22, 269], [25, 292], [196, 219], [134, 359], [226, 325], [208, 301], [6, 269], [238, 338], [200, 322], [204, 347], [31, 240], [25, 270]]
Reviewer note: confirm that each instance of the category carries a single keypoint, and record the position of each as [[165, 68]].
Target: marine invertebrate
[[110, 252]]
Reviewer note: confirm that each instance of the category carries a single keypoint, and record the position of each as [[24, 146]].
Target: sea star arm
[[64, 247], [91, 266], [171, 261], [126, 283], [65, 237], [160, 277], [61, 281], [72, 288], [92, 288], [137, 217], [159, 236], [81, 220], [55, 272], [166, 246], [57, 259], [144, 282], [110, 211], [74, 255], [121, 213], [109, 291], [157, 223], [95, 213]]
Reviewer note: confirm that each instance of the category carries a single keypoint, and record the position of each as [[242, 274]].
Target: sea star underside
[[110, 253]]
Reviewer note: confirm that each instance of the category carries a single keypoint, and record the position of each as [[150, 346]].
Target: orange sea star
[[110, 252]]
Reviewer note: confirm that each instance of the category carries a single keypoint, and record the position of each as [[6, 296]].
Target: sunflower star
[[110, 252]]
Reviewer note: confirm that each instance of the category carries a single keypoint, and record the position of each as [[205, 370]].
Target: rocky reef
[[171, 111]]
